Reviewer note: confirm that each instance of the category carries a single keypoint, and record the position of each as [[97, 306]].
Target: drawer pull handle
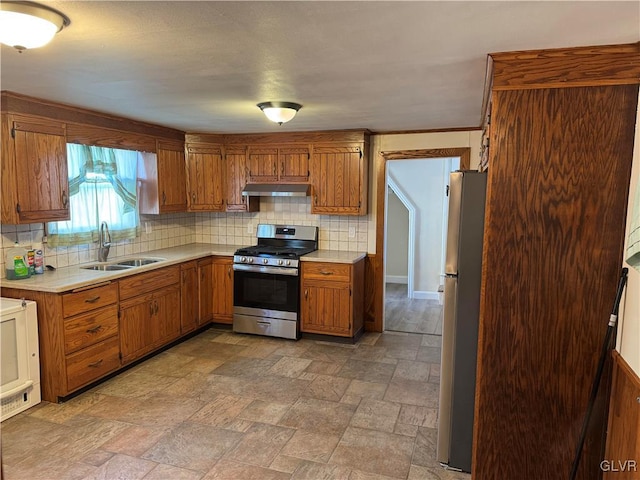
[[95, 329], [324, 272], [96, 364], [306, 293], [92, 299], [155, 306]]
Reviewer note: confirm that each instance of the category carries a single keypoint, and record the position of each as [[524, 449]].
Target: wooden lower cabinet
[[78, 336], [149, 321], [332, 298], [205, 291], [223, 290], [189, 302]]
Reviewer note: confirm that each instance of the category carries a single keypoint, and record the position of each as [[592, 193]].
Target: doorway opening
[[415, 220]]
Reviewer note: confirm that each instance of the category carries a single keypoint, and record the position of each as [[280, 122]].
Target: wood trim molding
[[381, 167], [17, 103], [567, 67], [623, 442], [330, 136], [428, 130]]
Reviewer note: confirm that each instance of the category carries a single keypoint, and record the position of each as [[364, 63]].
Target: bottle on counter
[[16, 267], [39, 261]]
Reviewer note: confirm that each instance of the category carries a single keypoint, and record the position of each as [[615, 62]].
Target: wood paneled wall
[[559, 171], [623, 445]]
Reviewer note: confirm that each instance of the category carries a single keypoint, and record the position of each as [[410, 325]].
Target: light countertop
[[333, 256], [68, 278]]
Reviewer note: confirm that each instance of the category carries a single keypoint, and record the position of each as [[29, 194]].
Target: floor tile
[[284, 463], [327, 387], [222, 411], [408, 370], [290, 367], [367, 389], [162, 410], [326, 368], [367, 371], [193, 446], [418, 416], [135, 384], [376, 415], [313, 446], [321, 471], [122, 466], [264, 412], [135, 440], [260, 445], [230, 470], [412, 393], [319, 416], [169, 472], [373, 451]]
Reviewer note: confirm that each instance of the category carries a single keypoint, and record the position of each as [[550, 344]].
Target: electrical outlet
[[249, 228], [352, 232]]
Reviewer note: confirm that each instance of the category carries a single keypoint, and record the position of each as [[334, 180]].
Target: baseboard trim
[[397, 279], [426, 295]]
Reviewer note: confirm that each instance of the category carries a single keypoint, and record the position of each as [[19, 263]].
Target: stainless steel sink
[[106, 268], [138, 262]]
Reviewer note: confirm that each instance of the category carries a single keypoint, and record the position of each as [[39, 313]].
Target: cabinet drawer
[[90, 328], [337, 272], [148, 282], [87, 365], [87, 300]]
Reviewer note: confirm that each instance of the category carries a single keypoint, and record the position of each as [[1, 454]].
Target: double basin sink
[[122, 264]]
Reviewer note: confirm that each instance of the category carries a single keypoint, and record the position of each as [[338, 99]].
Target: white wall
[[414, 141], [422, 181], [629, 321], [397, 239]]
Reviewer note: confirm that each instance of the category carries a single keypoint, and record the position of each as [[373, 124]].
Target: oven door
[[272, 290]]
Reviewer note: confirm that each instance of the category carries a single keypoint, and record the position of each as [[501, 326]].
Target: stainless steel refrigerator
[[467, 192]]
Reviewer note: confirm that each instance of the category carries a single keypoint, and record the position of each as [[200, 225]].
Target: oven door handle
[[292, 272]]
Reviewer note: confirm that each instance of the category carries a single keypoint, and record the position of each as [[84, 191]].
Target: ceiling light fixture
[[279, 112], [29, 25]]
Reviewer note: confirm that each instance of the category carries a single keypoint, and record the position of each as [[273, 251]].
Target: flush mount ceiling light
[[29, 25], [279, 112]]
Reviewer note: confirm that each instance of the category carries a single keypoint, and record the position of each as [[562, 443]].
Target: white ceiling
[[386, 66]]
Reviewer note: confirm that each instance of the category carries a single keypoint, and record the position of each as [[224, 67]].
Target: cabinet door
[[236, 179], [326, 308], [263, 165], [135, 332], [223, 290], [172, 182], [205, 178], [205, 291], [40, 172], [189, 297], [294, 164], [166, 322], [337, 176]]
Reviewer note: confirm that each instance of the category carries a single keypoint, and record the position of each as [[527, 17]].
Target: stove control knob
[[250, 259], [243, 259], [265, 261], [288, 262], [280, 262]]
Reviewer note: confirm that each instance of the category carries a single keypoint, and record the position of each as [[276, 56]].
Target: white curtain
[[102, 187]]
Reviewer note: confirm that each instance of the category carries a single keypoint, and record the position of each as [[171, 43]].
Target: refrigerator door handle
[[450, 275]]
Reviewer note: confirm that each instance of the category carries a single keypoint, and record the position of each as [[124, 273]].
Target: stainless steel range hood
[[276, 190]]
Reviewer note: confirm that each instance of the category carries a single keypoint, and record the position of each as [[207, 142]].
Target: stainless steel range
[[266, 285]]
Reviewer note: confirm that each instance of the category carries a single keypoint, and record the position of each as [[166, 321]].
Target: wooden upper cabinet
[[235, 181], [279, 164], [163, 179], [294, 164], [338, 179], [263, 164], [35, 187], [205, 178]]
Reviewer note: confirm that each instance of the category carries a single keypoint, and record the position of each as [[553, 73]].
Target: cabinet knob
[[282, 169], [65, 200], [164, 198], [151, 309], [306, 293], [229, 272], [155, 306], [193, 197]]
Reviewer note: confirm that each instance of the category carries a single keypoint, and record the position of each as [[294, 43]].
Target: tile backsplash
[[335, 232]]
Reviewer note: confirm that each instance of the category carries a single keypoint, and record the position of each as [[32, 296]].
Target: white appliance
[[20, 357]]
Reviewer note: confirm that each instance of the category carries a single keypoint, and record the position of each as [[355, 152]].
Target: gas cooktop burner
[[268, 251]]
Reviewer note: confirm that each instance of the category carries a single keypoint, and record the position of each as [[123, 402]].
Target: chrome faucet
[[104, 242]]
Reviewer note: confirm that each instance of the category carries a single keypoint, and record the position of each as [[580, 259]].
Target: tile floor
[[239, 407], [411, 315]]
